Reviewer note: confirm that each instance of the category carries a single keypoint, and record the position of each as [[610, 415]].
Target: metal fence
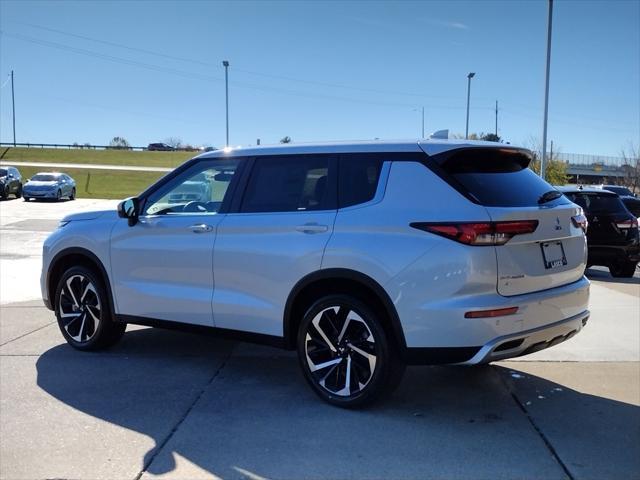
[[586, 159]]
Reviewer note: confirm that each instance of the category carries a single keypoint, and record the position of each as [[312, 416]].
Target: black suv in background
[[160, 147], [630, 200], [612, 236], [10, 182]]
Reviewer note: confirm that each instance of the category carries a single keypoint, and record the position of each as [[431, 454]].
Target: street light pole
[[225, 63], [543, 163], [496, 118], [469, 77], [422, 122], [13, 108]]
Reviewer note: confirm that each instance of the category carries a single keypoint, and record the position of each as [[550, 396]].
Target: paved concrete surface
[[173, 405]]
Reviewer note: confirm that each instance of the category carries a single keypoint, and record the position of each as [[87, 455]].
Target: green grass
[[107, 157], [111, 184]]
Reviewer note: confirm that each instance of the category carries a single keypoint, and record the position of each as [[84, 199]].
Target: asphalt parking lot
[[173, 405]]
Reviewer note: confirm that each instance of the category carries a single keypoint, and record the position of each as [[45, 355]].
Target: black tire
[[26, 199], [345, 354], [19, 191], [58, 195], [4, 194], [83, 312], [623, 269], [73, 194]]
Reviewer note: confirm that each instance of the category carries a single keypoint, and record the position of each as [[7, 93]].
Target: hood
[[89, 215]]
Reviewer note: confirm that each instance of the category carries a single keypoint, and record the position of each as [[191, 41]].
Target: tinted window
[[497, 177], [358, 177], [288, 184], [3, 172], [598, 203]]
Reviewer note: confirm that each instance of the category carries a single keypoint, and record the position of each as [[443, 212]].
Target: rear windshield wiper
[[548, 196]]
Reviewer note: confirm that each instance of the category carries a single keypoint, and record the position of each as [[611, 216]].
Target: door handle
[[312, 228], [201, 228]]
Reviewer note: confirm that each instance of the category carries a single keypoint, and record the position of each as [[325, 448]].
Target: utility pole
[[422, 122], [13, 108], [543, 163], [225, 63], [469, 77], [496, 118]]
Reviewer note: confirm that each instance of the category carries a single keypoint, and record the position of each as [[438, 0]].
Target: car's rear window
[[619, 190], [598, 202], [496, 177]]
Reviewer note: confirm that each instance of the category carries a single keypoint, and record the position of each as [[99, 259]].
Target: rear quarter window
[[358, 176]]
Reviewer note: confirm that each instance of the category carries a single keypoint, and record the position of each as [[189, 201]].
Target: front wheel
[[82, 310], [345, 354], [58, 195], [72, 196], [19, 191], [623, 269]]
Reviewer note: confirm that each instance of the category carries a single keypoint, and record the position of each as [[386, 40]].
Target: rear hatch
[[555, 253], [610, 222]]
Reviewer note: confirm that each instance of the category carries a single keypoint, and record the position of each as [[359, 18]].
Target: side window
[[358, 177], [288, 184], [201, 189]]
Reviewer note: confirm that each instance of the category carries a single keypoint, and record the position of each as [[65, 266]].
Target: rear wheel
[[623, 269], [82, 310], [345, 354], [4, 193], [19, 191], [59, 195], [72, 196]]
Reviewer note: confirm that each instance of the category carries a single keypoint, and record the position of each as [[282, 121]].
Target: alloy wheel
[[341, 351], [79, 308]]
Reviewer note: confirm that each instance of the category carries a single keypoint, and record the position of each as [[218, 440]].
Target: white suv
[[364, 257]]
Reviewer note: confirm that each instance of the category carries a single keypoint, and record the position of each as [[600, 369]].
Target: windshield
[[45, 177], [3, 172], [620, 190]]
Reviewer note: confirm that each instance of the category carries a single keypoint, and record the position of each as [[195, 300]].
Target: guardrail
[[87, 147]]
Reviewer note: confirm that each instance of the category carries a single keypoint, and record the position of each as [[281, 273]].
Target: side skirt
[[258, 338]]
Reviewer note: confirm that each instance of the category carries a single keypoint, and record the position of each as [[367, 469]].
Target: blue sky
[[88, 71]]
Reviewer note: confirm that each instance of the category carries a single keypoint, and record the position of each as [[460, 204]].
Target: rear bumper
[[529, 341]]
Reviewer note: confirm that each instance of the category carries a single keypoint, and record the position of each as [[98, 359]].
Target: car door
[[275, 235], [162, 266]]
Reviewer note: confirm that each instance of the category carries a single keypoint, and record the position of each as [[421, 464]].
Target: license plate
[[553, 254]]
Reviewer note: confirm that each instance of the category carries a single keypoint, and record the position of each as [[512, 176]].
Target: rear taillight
[[627, 224], [479, 234], [580, 221]]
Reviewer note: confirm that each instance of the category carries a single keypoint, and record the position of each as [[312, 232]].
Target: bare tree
[[119, 143], [174, 142], [631, 167], [286, 139]]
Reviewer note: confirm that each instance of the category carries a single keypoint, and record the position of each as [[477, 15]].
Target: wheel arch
[[71, 257], [335, 281]]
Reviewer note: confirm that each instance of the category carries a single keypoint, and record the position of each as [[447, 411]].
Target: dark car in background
[[10, 182], [630, 199], [52, 186], [160, 147], [612, 236]]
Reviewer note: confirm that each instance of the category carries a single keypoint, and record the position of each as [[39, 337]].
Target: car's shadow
[[240, 410], [606, 277]]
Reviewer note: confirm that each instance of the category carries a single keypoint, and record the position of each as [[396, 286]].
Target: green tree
[[555, 171], [490, 137]]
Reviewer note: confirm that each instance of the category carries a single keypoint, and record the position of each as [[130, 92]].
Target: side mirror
[[129, 208]]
